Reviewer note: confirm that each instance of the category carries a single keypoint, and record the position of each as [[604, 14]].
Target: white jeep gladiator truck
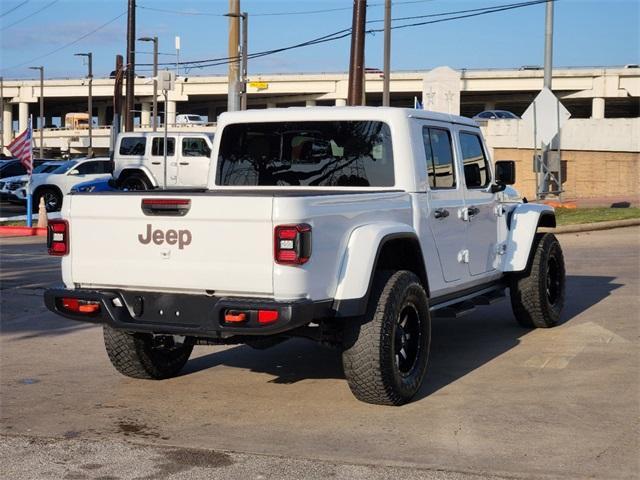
[[351, 226]]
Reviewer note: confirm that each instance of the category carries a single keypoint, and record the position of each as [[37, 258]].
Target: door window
[[476, 166], [439, 156], [133, 145], [94, 168], [157, 147], [195, 147]]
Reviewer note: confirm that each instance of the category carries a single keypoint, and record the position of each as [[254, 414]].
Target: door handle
[[156, 163], [441, 213], [184, 163]]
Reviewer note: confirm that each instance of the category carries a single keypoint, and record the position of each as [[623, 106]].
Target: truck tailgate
[[222, 244]]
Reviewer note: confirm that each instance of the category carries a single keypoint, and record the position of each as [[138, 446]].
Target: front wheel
[[385, 352], [537, 294], [142, 355]]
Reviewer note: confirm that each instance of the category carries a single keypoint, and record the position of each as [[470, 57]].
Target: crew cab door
[[480, 213], [445, 199], [156, 160], [195, 157]]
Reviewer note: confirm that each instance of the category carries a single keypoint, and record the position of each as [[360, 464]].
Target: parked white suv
[[351, 226], [139, 160], [55, 185]]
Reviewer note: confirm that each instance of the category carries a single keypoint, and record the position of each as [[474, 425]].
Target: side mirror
[[506, 172], [74, 172]]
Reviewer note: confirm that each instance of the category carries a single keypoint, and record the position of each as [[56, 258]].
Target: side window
[[195, 147], [476, 166], [89, 168], [157, 147], [439, 156], [133, 145]]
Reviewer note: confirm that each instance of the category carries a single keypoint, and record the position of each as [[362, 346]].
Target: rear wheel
[[135, 182], [385, 353], [537, 294], [52, 199], [142, 355]]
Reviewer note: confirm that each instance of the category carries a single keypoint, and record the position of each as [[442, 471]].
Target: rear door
[[156, 157], [445, 199], [480, 211], [194, 161]]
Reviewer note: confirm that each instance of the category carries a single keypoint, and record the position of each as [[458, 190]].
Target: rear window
[[314, 154]]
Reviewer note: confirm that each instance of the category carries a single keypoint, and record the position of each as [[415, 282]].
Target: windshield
[[317, 154], [65, 167]]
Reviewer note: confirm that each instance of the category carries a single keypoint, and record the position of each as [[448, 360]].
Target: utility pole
[[548, 45], [356, 64], [41, 68], [245, 58], [117, 103], [386, 96], [90, 101], [131, 61], [233, 99], [155, 77]]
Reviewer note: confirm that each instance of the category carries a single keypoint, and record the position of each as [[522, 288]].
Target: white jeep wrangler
[[351, 226]]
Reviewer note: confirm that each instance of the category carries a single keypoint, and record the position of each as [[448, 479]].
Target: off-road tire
[[370, 343], [135, 182], [134, 355], [537, 294], [52, 199]]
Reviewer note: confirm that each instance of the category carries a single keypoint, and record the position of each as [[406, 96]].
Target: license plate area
[[170, 309]]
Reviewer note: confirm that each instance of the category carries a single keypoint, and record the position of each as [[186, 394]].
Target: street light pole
[[90, 100], [41, 68], [386, 100], [155, 79]]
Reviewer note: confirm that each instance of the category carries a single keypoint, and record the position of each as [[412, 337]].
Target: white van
[[139, 159]]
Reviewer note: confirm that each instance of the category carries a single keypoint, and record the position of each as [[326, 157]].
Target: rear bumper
[[181, 314]]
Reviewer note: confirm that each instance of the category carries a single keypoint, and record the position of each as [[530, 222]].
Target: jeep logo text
[[171, 237]]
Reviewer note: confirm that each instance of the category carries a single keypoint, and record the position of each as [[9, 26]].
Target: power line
[[347, 31], [31, 15], [68, 44], [14, 8]]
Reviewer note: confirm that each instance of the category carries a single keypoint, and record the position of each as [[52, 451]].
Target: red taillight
[[75, 305], [58, 237], [292, 244], [267, 316]]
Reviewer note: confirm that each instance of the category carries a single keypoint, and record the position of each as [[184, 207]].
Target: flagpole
[[29, 199]]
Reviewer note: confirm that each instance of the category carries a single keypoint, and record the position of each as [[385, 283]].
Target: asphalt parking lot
[[499, 401]]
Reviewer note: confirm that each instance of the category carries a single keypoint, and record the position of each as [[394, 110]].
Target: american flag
[[21, 148]]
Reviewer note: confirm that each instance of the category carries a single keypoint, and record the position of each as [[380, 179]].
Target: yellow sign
[[259, 85]]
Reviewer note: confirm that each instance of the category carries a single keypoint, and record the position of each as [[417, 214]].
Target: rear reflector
[[235, 317], [292, 244], [58, 237], [75, 305], [267, 316]]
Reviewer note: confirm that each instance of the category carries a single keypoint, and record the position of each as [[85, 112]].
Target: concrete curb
[[589, 227], [19, 231]]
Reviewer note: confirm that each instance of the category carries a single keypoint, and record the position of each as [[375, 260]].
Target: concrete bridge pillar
[[597, 107], [211, 113], [171, 112], [341, 102], [7, 123], [102, 115], [145, 115], [23, 116]]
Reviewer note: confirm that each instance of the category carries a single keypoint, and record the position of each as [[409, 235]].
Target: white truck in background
[[351, 226]]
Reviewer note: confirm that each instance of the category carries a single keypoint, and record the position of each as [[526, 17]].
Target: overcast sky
[[587, 33]]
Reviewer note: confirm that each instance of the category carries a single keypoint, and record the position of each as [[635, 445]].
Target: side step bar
[[457, 307]]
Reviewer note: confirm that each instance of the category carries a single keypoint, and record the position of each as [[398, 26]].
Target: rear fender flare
[[143, 170], [524, 222], [359, 259]]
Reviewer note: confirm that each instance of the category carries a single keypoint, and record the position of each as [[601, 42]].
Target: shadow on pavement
[[458, 346]]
